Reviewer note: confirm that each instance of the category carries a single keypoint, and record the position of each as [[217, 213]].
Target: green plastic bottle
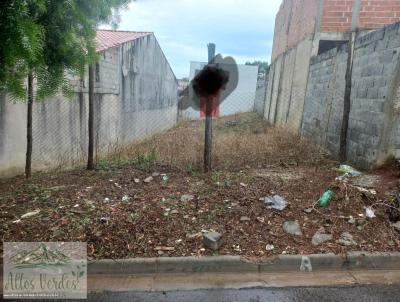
[[325, 198]]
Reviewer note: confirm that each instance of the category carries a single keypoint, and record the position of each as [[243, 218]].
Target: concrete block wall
[[375, 85], [323, 109], [373, 133]]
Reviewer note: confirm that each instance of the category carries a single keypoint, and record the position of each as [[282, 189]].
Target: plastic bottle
[[325, 198]]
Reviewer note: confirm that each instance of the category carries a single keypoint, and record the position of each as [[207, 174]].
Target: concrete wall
[[374, 124], [287, 86], [240, 100], [135, 97]]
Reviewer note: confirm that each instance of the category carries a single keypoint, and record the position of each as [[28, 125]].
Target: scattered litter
[[178, 241], [269, 247], [104, 219], [136, 180], [187, 197], [348, 171], [325, 198], [243, 184], [351, 220], [308, 211], [212, 240], [125, 198], [30, 214], [165, 178], [236, 248], [106, 200], [244, 218], [194, 235], [17, 221], [148, 179], [369, 213], [76, 206], [276, 202], [261, 219], [118, 185], [396, 225], [165, 248], [202, 249], [365, 191]]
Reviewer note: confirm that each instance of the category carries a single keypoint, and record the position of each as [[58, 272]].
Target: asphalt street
[[361, 293]]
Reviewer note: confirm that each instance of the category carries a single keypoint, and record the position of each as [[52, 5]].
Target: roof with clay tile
[[110, 38]]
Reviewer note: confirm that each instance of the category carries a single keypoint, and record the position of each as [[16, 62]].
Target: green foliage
[[263, 67], [52, 38]]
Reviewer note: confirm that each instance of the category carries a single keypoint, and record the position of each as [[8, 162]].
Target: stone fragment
[[212, 240], [292, 227]]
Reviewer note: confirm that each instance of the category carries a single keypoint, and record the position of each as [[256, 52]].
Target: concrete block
[[212, 240]]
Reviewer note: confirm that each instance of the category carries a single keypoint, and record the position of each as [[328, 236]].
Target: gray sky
[[240, 28]]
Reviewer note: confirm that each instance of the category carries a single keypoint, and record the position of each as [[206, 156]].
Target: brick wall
[[296, 19], [376, 13], [336, 16]]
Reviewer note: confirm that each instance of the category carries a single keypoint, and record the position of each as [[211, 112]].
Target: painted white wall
[[240, 100]]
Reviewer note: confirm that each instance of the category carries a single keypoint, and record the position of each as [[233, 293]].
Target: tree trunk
[[90, 162], [29, 139]]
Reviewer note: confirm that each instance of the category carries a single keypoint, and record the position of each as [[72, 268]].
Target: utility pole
[[208, 121], [348, 78]]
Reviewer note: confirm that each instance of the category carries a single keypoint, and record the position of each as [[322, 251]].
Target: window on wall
[[325, 45], [97, 72]]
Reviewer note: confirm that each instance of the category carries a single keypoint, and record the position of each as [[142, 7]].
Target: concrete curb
[[228, 264]]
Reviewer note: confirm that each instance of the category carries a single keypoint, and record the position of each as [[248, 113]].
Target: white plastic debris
[[30, 214], [269, 247], [363, 190], [276, 202], [369, 213], [349, 170], [136, 180], [148, 179], [125, 198]]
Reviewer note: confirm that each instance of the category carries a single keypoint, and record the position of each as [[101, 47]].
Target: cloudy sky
[[240, 28]]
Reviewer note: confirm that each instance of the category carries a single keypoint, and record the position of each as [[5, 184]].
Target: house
[[135, 97]]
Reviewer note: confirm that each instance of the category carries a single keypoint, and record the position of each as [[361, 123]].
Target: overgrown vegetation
[[240, 140]]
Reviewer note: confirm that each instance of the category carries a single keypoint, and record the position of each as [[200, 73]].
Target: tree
[[263, 67], [47, 41]]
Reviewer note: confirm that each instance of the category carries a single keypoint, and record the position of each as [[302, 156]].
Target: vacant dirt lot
[[119, 214]]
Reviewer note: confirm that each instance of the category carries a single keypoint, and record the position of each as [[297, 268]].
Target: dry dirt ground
[[120, 215]]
